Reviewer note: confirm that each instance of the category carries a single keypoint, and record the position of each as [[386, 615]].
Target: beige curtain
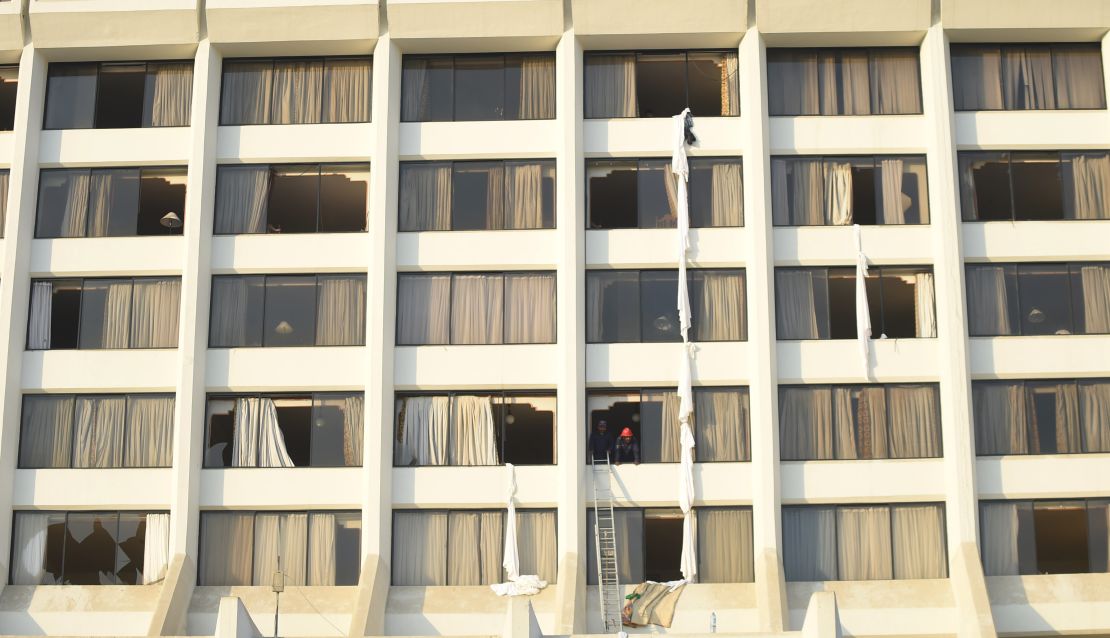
[[1069, 440], [895, 81], [860, 432], [155, 313], [977, 78], [793, 86], [1027, 78], [988, 304], [537, 87], [347, 87], [1000, 538], [226, 554], [721, 428], [425, 196], [524, 196], [297, 91], [352, 430], [474, 547], [798, 188], [1096, 298], [341, 311], [419, 548], [845, 88], [795, 304], [805, 423], [229, 326], [726, 207], [168, 95], [42, 303], [116, 318], [892, 209], [246, 93], [472, 436], [529, 308], [717, 300], [423, 307], [730, 84], [414, 89], [149, 430], [321, 550], [1000, 422], [1077, 70], [838, 193], [77, 200], [809, 543], [914, 422], [863, 543], [98, 432], [919, 550], [725, 545], [476, 309], [424, 424], [1094, 411], [610, 86], [924, 307], [537, 544], [46, 437], [1086, 178], [101, 184], [29, 540], [241, 196], [670, 449], [284, 537]]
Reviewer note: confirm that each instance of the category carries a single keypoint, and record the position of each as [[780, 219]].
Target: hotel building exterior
[[287, 284]]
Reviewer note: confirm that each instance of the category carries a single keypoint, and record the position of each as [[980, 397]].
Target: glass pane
[[844, 80], [162, 202], [792, 82], [221, 432], [656, 194], [290, 311], [976, 77], [45, 439], [477, 196], [529, 430], [716, 193], [530, 87], [293, 201], [842, 304], [801, 303], [64, 315], [713, 84], [90, 549], [337, 430], [105, 313], [809, 543], [63, 203], [985, 186], [903, 195], [71, 95], [114, 203], [629, 527], [344, 197], [612, 193], [132, 547], [660, 84], [246, 87], [1038, 191], [427, 89], [55, 548], [658, 311], [479, 87], [348, 83], [1045, 300], [657, 434], [9, 78], [348, 538], [237, 312], [119, 96], [612, 306]]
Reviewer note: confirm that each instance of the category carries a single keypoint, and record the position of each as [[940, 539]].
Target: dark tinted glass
[[90, 549], [343, 198], [117, 191], [65, 313], [119, 96], [612, 194], [1038, 192], [290, 311], [985, 186], [707, 77], [70, 96], [613, 300], [656, 196], [529, 430], [294, 193], [659, 316], [842, 303], [662, 545], [9, 78], [864, 192], [479, 87], [105, 313], [348, 536], [63, 199], [660, 84], [1045, 299], [716, 193], [477, 196], [427, 89], [328, 431]]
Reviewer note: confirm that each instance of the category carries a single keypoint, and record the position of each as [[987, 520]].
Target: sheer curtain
[[98, 432], [727, 191], [424, 425], [717, 300], [46, 437], [77, 201], [28, 559], [156, 548], [149, 441], [474, 547], [347, 87], [721, 427], [914, 427], [341, 311], [895, 82], [611, 86], [669, 450], [258, 440], [155, 313], [1077, 70], [101, 183], [863, 543], [1027, 78], [919, 550], [1000, 423], [230, 323], [796, 91], [476, 309], [168, 96], [414, 90], [892, 210], [321, 549], [1086, 179], [537, 87], [1068, 437], [297, 90], [977, 78], [809, 543], [530, 308], [246, 92], [352, 430], [537, 544], [805, 423], [241, 195], [419, 548], [115, 317], [1094, 411], [283, 536], [796, 304], [225, 557], [1096, 298], [798, 188], [426, 196], [988, 304], [423, 309], [524, 196], [42, 303], [725, 545], [860, 432], [1000, 538], [924, 306], [845, 87], [838, 193], [472, 437]]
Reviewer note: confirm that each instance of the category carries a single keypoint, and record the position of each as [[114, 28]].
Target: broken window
[[1043, 537], [473, 87], [83, 95], [1027, 76], [296, 91], [845, 81], [111, 202], [642, 193], [292, 198], [9, 81], [830, 191], [1038, 299], [1027, 185], [117, 313], [486, 195], [661, 83], [1061, 416]]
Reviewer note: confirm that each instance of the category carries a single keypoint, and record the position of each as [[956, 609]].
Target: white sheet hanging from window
[[511, 558], [863, 312], [156, 548]]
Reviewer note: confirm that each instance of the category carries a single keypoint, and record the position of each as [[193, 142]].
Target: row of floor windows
[[521, 86], [622, 306], [464, 547], [520, 194], [325, 429]]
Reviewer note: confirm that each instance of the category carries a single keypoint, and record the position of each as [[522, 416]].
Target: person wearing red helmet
[[627, 448]]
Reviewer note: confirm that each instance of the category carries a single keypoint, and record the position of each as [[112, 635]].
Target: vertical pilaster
[[762, 367]]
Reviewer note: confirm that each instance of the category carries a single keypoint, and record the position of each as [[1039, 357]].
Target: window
[[661, 83], [1038, 299], [9, 80], [864, 542], [1060, 416], [104, 314], [284, 430], [642, 193], [495, 195], [720, 423], [649, 544], [475, 308], [110, 202], [296, 91], [292, 198], [639, 305], [463, 88], [100, 431], [311, 548], [287, 310], [820, 303], [118, 94], [1018, 77], [465, 547], [89, 548], [841, 191], [4, 175], [1043, 537], [474, 429], [888, 421], [883, 81], [1028, 185]]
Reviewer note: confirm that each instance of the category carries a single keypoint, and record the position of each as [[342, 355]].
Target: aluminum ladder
[[605, 546]]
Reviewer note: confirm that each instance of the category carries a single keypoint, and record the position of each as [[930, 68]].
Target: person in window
[[601, 442], [627, 449]]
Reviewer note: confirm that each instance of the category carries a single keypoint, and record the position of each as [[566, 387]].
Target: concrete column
[[571, 336], [762, 367], [377, 463], [15, 288], [957, 439], [196, 281]]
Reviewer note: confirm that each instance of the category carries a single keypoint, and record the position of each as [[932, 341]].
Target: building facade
[[304, 286]]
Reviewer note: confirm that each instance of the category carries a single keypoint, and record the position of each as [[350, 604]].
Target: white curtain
[[610, 86], [537, 544], [98, 432], [1000, 422], [798, 190], [476, 309], [149, 431], [415, 105], [297, 90], [845, 86], [246, 93], [529, 308], [1076, 72], [42, 302], [721, 428], [988, 303], [863, 543], [838, 193], [168, 96], [919, 550], [524, 195], [1094, 411], [241, 196], [155, 313], [156, 548], [29, 538], [726, 207], [102, 183], [725, 545], [1000, 538], [474, 547], [321, 549], [425, 196], [809, 543], [341, 311], [1086, 178], [472, 435], [423, 309], [863, 311], [1096, 298], [895, 81], [419, 548], [423, 437], [893, 210], [976, 78], [796, 306], [924, 307], [284, 537], [258, 440], [717, 297], [805, 423], [537, 87], [347, 87], [116, 318], [914, 427], [77, 201], [1027, 78], [226, 539]]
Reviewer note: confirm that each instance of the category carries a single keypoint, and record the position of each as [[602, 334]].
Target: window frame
[[1071, 268], [1075, 382], [636, 53], [1051, 47], [816, 51], [504, 55], [1032, 503], [155, 171], [1008, 157], [96, 95], [324, 59]]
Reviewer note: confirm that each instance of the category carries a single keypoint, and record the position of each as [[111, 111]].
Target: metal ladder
[[605, 544]]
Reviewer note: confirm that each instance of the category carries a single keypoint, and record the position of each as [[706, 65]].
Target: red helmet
[[626, 432]]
